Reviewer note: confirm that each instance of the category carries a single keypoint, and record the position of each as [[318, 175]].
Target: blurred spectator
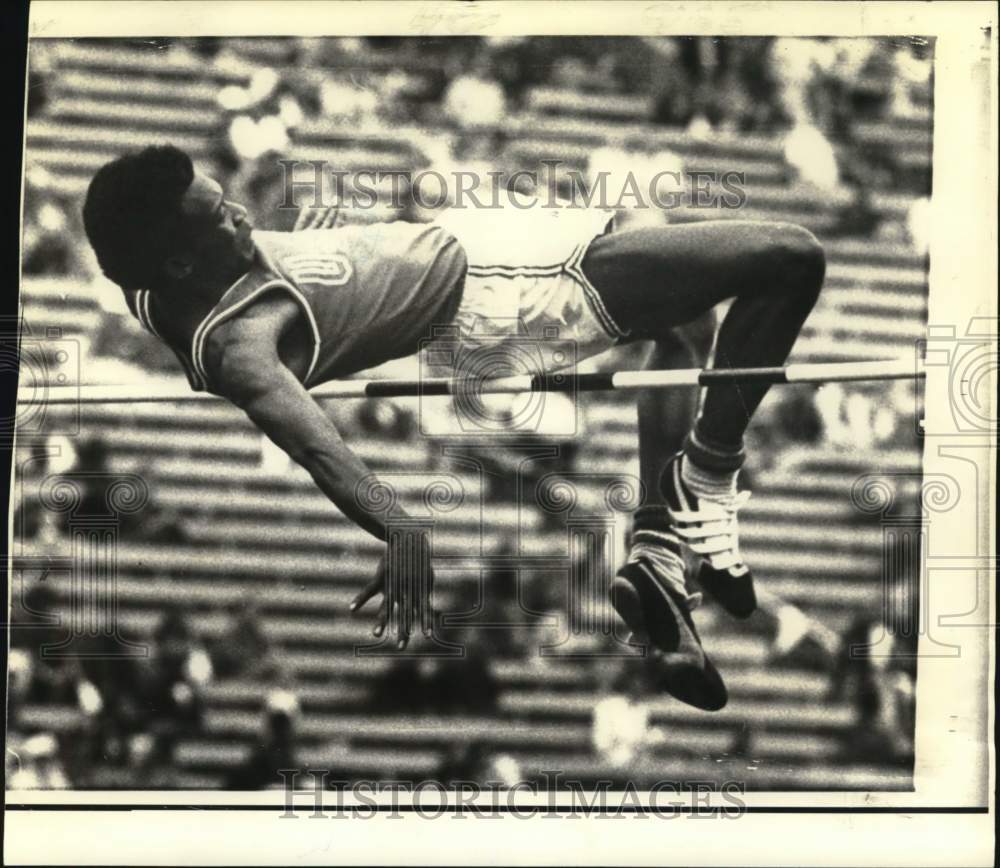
[[919, 226], [440, 685], [911, 79], [275, 748], [793, 418], [475, 761], [386, 419], [474, 98], [151, 761], [752, 80], [401, 687], [243, 650], [491, 608], [623, 165], [33, 763], [622, 735], [259, 117], [465, 685], [464, 761], [798, 64], [513, 66], [856, 418], [42, 67], [874, 674], [110, 698], [151, 524], [49, 232], [32, 522], [798, 639], [673, 102], [259, 121], [509, 472], [20, 674], [50, 679], [207, 48], [344, 101], [811, 158], [502, 611], [708, 83], [857, 217], [92, 458], [180, 668]]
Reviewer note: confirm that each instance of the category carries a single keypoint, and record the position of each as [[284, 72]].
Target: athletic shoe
[[660, 617], [710, 530]]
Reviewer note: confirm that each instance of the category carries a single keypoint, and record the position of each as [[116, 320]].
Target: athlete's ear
[[178, 267]]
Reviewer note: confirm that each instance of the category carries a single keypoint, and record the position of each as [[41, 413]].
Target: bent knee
[[699, 335], [800, 258]]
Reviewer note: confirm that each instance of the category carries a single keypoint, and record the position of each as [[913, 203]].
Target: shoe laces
[[712, 530]]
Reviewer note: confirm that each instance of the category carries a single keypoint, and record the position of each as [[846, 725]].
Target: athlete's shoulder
[[243, 349]]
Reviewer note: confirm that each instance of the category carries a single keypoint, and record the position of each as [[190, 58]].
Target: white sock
[[708, 484]]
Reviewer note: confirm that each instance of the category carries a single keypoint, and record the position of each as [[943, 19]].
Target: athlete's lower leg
[[759, 330], [666, 415], [665, 418], [773, 272]]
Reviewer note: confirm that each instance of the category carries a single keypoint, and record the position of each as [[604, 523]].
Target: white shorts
[[524, 282]]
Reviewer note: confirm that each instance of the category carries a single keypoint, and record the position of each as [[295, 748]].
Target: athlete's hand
[[406, 598], [316, 218]]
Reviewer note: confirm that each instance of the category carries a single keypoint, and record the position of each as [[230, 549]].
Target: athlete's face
[[218, 234]]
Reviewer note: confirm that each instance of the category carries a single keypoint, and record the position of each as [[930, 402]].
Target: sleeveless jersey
[[369, 294]]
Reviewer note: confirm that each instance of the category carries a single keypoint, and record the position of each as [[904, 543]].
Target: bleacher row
[[274, 536]]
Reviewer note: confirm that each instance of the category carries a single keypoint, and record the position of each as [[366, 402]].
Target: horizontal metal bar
[[885, 369]]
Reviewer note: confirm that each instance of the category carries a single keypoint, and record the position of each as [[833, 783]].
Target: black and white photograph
[[440, 409]]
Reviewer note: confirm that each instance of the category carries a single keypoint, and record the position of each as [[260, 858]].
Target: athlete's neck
[[207, 290]]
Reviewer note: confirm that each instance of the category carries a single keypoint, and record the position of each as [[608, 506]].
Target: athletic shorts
[[524, 282]]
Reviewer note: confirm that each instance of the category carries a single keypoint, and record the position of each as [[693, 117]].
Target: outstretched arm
[[246, 368], [278, 404]]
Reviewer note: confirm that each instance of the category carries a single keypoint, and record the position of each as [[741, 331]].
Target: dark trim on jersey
[[590, 292], [140, 303]]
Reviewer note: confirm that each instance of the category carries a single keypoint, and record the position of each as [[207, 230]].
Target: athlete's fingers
[[402, 626], [372, 589], [399, 618], [391, 620], [380, 620]]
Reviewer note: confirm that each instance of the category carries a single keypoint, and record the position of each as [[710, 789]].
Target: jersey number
[[328, 269]]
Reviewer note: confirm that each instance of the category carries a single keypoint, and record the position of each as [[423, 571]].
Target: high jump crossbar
[[614, 381]]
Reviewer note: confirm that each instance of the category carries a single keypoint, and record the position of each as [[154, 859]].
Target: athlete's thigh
[[656, 278]]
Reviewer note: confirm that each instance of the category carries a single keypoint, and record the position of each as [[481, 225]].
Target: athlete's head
[[155, 222]]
